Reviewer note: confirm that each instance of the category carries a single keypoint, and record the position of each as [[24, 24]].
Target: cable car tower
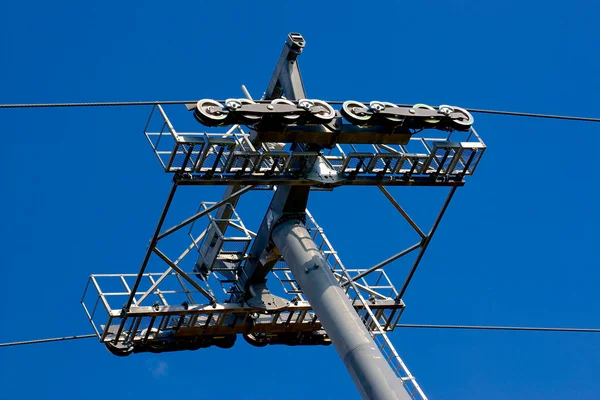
[[292, 145]]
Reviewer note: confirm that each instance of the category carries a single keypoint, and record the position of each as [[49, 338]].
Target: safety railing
[[231, 155]]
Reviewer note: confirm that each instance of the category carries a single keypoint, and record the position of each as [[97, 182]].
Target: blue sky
[[81, 190]]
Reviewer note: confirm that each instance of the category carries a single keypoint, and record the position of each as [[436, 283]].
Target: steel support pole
[[370, 372]]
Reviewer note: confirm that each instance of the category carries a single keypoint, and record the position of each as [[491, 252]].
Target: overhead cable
[[500, 328], [96, 104], [170, 102], [421, 326], [58, 339]]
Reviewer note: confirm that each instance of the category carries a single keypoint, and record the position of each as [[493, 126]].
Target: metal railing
[[231, 155]]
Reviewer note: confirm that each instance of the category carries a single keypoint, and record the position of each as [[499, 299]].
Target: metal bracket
[[262, 298]]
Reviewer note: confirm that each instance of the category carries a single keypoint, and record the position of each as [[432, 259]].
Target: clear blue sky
[[81, 191]]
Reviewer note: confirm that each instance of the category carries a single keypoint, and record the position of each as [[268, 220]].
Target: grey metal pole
[[370, 372]]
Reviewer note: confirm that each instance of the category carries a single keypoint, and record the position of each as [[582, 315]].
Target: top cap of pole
[[296, 42]]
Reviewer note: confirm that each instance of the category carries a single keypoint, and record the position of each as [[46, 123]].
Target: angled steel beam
[[169, 270], [401, 211], [286, 77], [287, 200], [199, 288], [425, 243], [153, 287], [383, 263], [191, 246], [342, 277], [151, 246], [204, 212]]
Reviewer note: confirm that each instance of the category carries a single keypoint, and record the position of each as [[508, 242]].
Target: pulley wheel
[[323, 116], [119, 349], [431, 121], [290, 118], [355, 117], [210, 113], [465, 122], [388, 118], [248, 119], [256, 340]]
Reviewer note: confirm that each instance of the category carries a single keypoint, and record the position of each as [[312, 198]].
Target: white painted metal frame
[[231, 155]]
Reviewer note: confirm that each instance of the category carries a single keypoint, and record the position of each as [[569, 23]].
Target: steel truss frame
[[379, 311], [236, 159]]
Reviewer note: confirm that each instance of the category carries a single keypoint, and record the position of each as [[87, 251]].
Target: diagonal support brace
[[425, 243]]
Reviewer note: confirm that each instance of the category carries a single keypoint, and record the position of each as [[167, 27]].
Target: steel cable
[[499, 328], [422, 326], [169, 102], [35, 341]]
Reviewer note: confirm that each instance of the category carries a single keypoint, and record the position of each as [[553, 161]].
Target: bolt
[[306, 104], [411, 110], [316, 266], [377, 107], [270, 107]]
